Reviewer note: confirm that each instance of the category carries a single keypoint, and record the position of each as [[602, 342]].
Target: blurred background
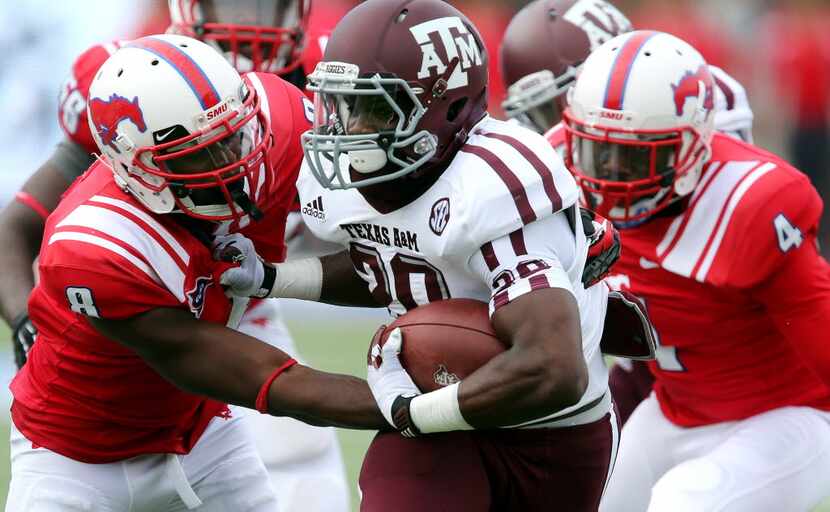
[[779, 50]]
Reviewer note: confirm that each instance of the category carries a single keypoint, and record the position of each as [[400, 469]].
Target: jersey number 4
[[789, 236], [416, 281]]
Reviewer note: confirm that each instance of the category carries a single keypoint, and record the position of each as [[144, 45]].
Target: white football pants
[[304, 461], [778, 461], [222, 472]]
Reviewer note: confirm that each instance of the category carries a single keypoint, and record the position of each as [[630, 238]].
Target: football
[[445, 341]]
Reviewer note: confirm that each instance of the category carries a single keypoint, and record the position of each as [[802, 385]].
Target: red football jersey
[[737, 291], [90, 398], [75, 92]]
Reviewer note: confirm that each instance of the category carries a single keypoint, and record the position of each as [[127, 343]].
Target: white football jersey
[[501, 221]]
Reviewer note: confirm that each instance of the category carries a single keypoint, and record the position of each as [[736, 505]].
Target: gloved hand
[[391, 386], [253, 277], [23, 338], [604, 247]]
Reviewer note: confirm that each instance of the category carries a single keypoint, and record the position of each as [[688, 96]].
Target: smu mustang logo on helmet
[[107, 115], [689, 87], [462, 46]]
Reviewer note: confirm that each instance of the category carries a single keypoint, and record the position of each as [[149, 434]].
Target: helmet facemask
[[253, 35], [629, 176], [538, 99], [215, 173], [368, 124]]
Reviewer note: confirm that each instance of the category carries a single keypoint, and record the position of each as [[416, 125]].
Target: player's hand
[[249, 278], [603, 249], [23, 338], [391, 386]]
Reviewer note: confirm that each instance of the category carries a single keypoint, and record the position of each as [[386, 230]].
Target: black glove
[[23, 338], [403, 421], [603, 249]]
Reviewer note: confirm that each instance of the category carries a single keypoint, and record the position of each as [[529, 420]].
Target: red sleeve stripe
[[490, 256], [620, 71], [538, 165], [191, 72], [162, 242], [32, 202], [517, 240], [517, 189]]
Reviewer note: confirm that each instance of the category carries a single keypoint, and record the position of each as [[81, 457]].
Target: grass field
[[336, 344]]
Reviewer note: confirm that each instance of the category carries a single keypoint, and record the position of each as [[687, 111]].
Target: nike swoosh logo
[[648, 264], [160, 137]]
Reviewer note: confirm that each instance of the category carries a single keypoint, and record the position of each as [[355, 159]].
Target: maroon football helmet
[[542, 50], [401, 84]]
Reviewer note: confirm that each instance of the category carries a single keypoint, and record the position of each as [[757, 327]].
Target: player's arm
[[213, 360], [21, 229], [778, 263], [330, 279], [534, 312]]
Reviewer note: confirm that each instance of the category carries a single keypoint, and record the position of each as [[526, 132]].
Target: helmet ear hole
[[455, 109]]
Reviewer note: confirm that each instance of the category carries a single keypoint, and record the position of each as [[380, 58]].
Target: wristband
[[32, 202], [438, 411], [298, 279], [262, 396]]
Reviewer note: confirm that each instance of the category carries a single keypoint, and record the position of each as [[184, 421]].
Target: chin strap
[[244, 201]]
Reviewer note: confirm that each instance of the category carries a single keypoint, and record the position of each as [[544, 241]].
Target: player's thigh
[[645, 453], [43, 481], [776, 461], [435, 472], [312, 484], [225, 470]]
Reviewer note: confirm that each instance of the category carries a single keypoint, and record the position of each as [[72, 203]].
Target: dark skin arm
[[542, 372], [21, 230], [212, 360], [342, 286]]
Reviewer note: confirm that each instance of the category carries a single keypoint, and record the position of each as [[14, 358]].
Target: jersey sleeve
[[74, 94], [531, 258], [111, 289], [776, 220]]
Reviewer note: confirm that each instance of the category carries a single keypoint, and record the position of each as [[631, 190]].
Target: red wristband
[[262, 396], [30, 201]]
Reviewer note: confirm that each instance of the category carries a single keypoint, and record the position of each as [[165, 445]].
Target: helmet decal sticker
[[107, 115], [688, 87], [462, 47]]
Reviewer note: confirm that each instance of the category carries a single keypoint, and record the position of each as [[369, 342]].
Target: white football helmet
[[254, 35], [182, 131], [639, 124]]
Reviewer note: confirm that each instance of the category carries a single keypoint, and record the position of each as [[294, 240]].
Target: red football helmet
[[254, 35], [401, 84], [542, 50]]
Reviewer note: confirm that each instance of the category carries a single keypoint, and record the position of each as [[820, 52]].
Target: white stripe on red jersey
[[105, 244]]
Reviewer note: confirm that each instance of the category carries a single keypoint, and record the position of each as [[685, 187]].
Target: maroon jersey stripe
[[500, 299], [517, 240], [490, 256], [615, 89], [517, 189], [539, 281], [727, 92], [537, 163]]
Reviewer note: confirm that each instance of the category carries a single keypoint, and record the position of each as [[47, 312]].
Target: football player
[[430, 198], [111, 411], [538, 83], [720, 241], [255, 36]]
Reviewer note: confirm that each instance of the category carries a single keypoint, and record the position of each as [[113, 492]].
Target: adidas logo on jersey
[[315, 209]]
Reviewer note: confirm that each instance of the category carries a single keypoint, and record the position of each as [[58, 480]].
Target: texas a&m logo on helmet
[[459, 44]]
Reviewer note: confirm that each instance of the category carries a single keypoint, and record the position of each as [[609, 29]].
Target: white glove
[[386, 376], [247, 279]]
